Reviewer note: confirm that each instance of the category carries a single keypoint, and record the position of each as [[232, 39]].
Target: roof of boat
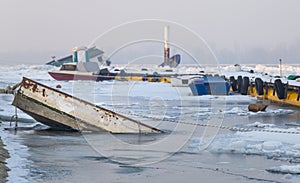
[[70, 63], [92, 52], [210, 79]]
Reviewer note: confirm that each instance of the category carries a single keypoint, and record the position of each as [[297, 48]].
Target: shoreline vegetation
[[3, 168]]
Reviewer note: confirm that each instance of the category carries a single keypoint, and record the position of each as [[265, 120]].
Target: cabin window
[[68, 68], [185, 81]]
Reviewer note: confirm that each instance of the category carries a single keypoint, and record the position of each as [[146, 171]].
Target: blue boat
[[209, 85]]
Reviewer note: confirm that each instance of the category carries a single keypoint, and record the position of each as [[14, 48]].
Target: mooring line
[[211, 126]]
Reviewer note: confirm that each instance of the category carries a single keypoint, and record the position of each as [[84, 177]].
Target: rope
[[211, 126], [15, 116]]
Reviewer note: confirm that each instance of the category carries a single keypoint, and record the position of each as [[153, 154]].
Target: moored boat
[[84, 70], [88, 71], [209, 85], [279, 89], [183, 80], [276, 91]]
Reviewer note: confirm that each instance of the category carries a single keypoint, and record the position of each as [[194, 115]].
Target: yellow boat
[[276, 91]]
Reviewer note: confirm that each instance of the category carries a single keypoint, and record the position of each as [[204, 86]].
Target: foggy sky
[[238, 31]]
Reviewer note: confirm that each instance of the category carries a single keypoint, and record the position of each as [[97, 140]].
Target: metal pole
[[166, 47], [280, 67]]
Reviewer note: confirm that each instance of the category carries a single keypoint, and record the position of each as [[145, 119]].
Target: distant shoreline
[[3, 168]]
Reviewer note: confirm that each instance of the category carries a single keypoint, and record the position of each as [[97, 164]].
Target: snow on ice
[[279, 146]]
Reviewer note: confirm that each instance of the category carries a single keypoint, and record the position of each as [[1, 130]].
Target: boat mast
[[75, 51], [166, 48], [75, 54]]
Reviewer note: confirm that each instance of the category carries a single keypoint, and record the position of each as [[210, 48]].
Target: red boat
[[81, 71]]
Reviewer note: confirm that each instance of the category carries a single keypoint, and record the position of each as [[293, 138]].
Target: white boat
[[63, 111], [183, 81], [180, 81]]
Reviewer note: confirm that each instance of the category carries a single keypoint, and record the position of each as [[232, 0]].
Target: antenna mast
[[166, 48]]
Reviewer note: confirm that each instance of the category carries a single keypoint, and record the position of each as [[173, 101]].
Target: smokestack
[[166, 36], [166, 48]]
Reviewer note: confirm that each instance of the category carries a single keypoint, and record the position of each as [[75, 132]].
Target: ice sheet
[[282, 146]]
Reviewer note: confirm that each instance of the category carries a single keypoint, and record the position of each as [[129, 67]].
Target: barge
[[276, 89]]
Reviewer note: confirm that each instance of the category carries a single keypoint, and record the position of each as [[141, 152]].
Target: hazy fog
[[238, 31]]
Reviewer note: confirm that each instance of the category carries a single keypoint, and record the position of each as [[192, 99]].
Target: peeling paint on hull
[[63, 111]]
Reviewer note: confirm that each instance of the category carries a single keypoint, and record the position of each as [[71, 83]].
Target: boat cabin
[[81, 66], [69, 67]]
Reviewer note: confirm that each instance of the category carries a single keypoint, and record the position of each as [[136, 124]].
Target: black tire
[[239, 84], [244, 90], [144, 78], [259, 86], [279, 89], [233, 83]]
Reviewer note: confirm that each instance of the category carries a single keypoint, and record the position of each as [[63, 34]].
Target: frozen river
[[187, 151]]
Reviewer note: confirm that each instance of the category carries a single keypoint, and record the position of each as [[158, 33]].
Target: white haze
[[248, 31]]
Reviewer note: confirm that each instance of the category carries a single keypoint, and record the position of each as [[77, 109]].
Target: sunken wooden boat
[[62, 111]]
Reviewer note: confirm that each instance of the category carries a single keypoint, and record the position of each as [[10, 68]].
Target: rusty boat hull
[[62, 111]]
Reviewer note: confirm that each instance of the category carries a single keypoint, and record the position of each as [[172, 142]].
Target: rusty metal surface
[[54, 106]]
